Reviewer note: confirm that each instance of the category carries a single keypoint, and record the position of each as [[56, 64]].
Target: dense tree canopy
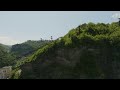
[[27, 47], [6, 58]]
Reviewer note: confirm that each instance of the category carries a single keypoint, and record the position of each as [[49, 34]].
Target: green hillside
[[27, 47], [10, 55], [6, 58], [6, 47], [90, 51]]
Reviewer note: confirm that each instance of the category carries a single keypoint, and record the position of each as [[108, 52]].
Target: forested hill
[[6, 58], [88, 51], [27, 47], [6, 47]]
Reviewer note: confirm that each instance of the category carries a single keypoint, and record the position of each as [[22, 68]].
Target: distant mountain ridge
[[6, 47], [27, 47]]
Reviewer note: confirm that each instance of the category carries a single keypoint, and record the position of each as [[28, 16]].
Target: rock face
[[75, 63], [5, 72]]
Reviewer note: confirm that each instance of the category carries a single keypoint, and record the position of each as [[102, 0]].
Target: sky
[[20, 26]]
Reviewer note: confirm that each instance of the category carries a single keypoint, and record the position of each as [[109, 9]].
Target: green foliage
[[86, 40], [90, 50], [16, 73], [27, 47], [6, 58], [7, 48]]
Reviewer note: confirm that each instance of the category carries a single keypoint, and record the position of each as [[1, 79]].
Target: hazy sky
[[19, 26]]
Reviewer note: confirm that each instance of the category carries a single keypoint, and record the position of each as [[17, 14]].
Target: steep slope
[[90, 51]]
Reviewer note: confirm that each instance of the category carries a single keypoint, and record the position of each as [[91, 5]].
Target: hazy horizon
[[20, 26]]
